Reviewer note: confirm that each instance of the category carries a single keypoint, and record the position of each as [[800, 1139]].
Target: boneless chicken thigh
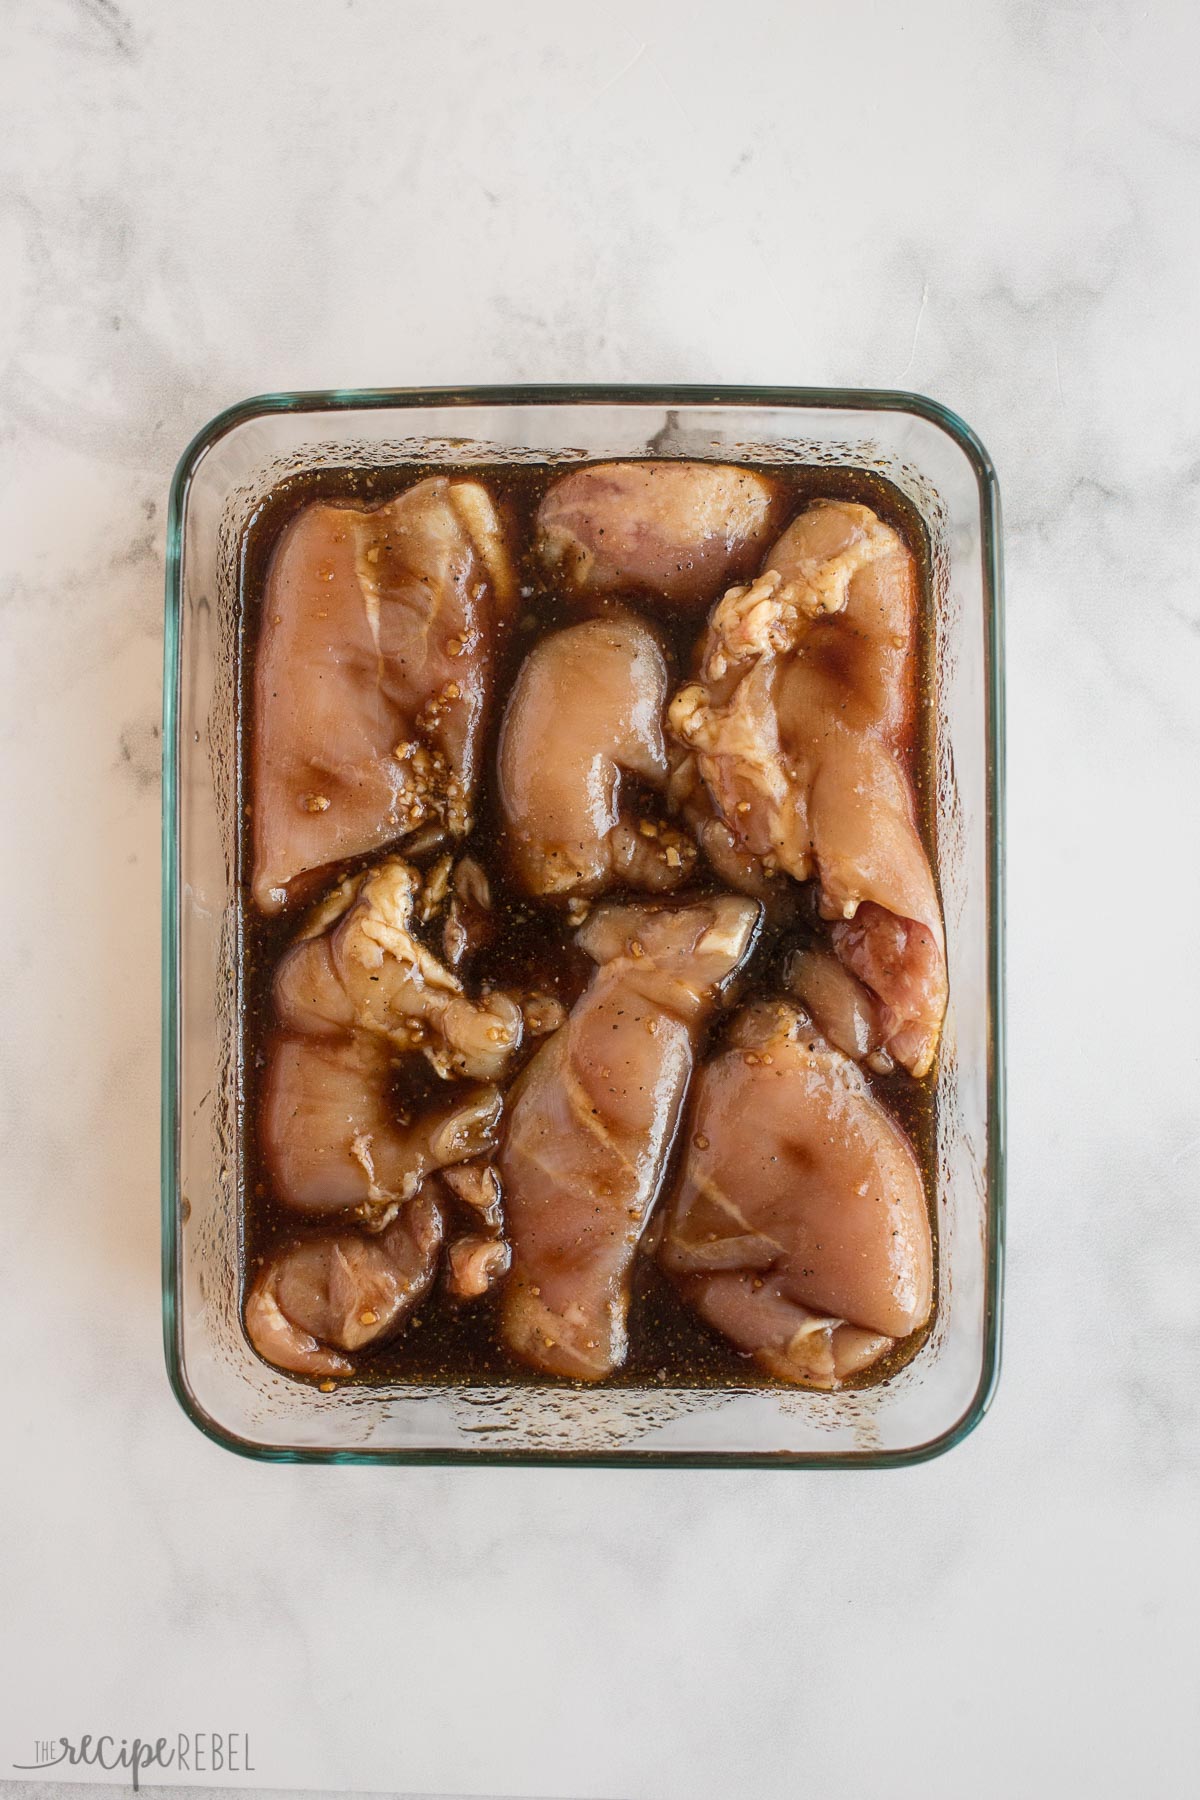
[[798, 1227], [332, 1143], [373, 676], [674, 532], [591, 1121], [793, 738], [355, 990], [585, 714], [844, 1011], [478, 1258], [362, 969], [319, 1299]]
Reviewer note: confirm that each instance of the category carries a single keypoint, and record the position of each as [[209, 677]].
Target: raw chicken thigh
[[352, 992], [799, 1226], [476, 1263], [759, 1314], [373, 676], [480, 1256], [793, 736], [332, 1143], [336, 1292], [362, 969], [845, 1012], [586, 712], [591, 1121], [678, 532], [901, 963]]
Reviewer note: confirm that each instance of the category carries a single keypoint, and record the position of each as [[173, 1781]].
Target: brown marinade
[[447, 1342]]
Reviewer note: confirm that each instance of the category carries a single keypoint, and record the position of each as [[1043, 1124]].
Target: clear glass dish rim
[[336, 400]]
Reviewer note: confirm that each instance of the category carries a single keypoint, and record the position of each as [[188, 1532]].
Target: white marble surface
[[993, 203]]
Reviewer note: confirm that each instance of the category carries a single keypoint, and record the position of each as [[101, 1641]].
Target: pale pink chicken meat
[[901, 964], [476, 1185], [476, 1264], [319, 1299], [844, 1010], [757, 1313], [469, 923], [793, 739], [586, 712], [591, 1121], [331, 1142], [481, 1256], [799, 1226], [677, 532], [358, 966], [355, 991], [373, 676]]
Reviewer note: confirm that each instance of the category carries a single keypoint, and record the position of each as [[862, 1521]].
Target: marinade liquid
[[458, 1343]]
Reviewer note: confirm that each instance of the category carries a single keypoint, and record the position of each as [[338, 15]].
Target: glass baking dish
[[223, 476]]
